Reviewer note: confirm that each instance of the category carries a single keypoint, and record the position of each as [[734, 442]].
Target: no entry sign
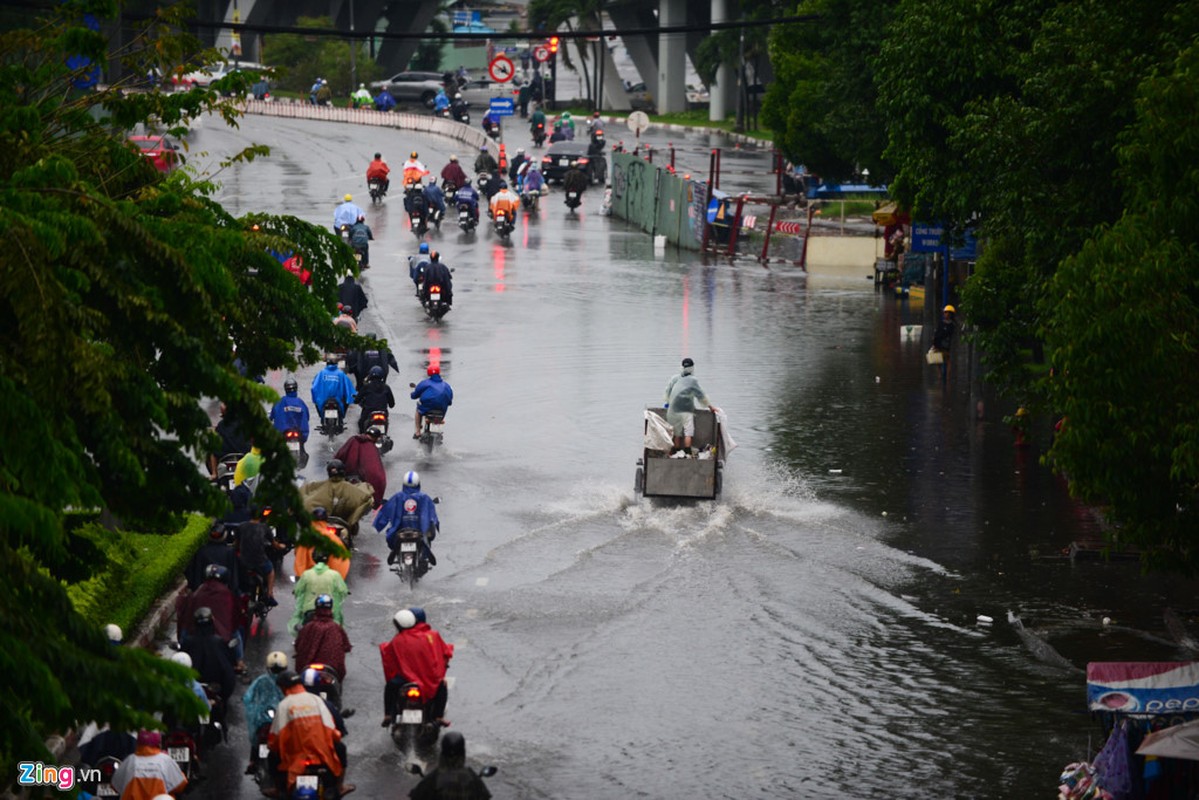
[[501, 69]]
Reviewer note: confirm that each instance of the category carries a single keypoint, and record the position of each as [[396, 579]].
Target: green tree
[[1124, 331], [124, 292], [428, 53], [301, 59]]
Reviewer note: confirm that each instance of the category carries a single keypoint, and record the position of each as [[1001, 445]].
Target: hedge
[[139, 569]]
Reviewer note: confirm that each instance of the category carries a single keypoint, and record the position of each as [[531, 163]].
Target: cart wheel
[[719, 481], [639, 481]]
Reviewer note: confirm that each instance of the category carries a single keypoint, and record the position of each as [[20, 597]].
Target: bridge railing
[[421, 123]]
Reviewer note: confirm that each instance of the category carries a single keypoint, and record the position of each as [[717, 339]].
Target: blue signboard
[[502, 106], [927, 238], [461, 17]]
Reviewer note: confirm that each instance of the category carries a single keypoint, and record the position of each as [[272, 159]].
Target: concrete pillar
[[404, 17], [615, 97], [643, 50], [723, 90], [672, 60]]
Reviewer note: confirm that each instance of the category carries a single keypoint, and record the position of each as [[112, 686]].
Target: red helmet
[[434, 369]]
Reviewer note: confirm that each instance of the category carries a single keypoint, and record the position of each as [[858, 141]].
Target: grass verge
[[139, 568]]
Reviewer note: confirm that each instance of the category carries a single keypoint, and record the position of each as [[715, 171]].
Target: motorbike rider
[[517, 160], [441, 102], [302, 733], [436, 200], [594, 122], [683, 396], [534, 180], [559, 135], [149, 772], [322, 640], [537, 118], [361, 98], [332, 383], [350, 293], [260, 698], [417, 264], [378, 170], [568, 124], [575, 180], [233, 440], [451, 777], [360, 362], [306, 555], [346, 214], [413, 170], [361, 456], [217, 550], [452, 173], [437, 274], [318, 581], [290, 412], [384, 101], [374, 395], [485, 162], [211, 655], [415, 202], [432, 395], [324, 95], [490, 121], [416, 654], [248, 467], [469, 197], [224, 612], [337, 496], [492, 185], [360, 239], [255, 543], [458, 109], [409, 509], [505, 200], [346, 319]]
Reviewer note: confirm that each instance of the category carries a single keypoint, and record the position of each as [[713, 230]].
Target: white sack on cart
[[726, 438], [658, 433]]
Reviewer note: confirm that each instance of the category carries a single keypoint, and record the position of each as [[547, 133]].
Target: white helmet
[[404, 619], [182, 658], [276, 661], [113, 633], [412, 479]]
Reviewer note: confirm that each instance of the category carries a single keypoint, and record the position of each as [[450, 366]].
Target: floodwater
[[813, 633]]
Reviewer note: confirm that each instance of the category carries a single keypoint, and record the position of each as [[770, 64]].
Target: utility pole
[[353, 54]]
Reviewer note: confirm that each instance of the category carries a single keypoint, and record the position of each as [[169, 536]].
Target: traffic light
[[553, 43]]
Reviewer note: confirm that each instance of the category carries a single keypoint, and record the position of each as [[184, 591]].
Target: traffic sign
[[541, 53], [638, 122], [501, 69], [502, 106]]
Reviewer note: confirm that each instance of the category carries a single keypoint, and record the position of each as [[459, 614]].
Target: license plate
[[307, 781], [330, 414], [293, 446], [434, 296], [263, 751], [564, 162], [104, 790], [407, 547], [436, 427], [358, 256], [179, 754], [412, 716]]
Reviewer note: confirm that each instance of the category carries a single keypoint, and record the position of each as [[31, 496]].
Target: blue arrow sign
[[502, 106]]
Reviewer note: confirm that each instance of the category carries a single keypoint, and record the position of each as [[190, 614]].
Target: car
[[420, 87], [557, 159], [206, 75], [163, 154], [640, 97]]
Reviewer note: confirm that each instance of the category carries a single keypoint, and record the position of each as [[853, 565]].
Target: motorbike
[[435, 306], [486, 772], [418, 208], [260, 760], [180, 745], [344, 530], [328, 686], [435, 216], [409, 560], [379, 419], [414, 725], [226, 466], [342, 355], [319, 779], [331, 422], [104, 770], [450, 190], [538, 132], [466, 217], [295, 446], [573, 200], [257, 607], [492, 129], [376, 189], [503, 224], [461, 114], [529, 200]]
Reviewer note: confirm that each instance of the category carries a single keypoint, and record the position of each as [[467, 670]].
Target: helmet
[[457, 95], [453, 744], [483, 148], [374, 431], [362, 217], [687, 362], [595, 114], [412, 479], [203, 616], [183, 659], [336, 468], [503, 184], [403, 619], [519, 150], [320, 556], [331, 359], [255, 227], [319, 512], [454, 158], [216, 571], [113, 633], [574, 164], [324, 601], [287, 679], [276, 662], [313, 677], [413, 154], [950, 310], [217, 532], [434, 255], [324, 82], [290, 386], [348, 197], [347, 310], [378, 156], [375, 374], [419, 613], [424, 247], [362, 86], [433, 370]]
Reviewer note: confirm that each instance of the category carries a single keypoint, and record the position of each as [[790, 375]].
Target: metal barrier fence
[[661, 203]]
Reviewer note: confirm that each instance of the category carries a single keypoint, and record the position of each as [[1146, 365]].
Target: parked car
[[640, 96], [213, 72], [161, 152], [412, 87], [557, 159]]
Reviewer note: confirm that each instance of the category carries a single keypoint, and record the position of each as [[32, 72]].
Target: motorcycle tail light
[[413, 693], [434, 288]]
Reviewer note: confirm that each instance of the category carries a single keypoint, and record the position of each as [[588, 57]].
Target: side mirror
[[488, 771], [416, 770], [412, 385], [436, 499]]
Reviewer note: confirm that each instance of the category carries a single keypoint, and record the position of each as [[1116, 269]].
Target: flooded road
[[811, 634]]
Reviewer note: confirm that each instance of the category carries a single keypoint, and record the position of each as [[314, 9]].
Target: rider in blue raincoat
[[441, 102], [467, 196], [409, 509], [331, 382], [291, 412], [432, 395]]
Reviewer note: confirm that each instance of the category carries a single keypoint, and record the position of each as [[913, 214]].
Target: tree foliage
[[301, 59], [124, 293]]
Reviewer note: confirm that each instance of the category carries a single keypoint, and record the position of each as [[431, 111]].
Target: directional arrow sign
[[502, 106], [501, 69]]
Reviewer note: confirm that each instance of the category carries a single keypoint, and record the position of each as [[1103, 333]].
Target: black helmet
[[375, 374], [320, 512], [374, 431], [203, 616], [324, 601], [216, 571], [336, 469], [435, 256], [287, 679], [320, 556], [418, 612], [331, 359], [347, 310], [217, 532], [290, 386], [378, 156], [687, 362], [453, 744]]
